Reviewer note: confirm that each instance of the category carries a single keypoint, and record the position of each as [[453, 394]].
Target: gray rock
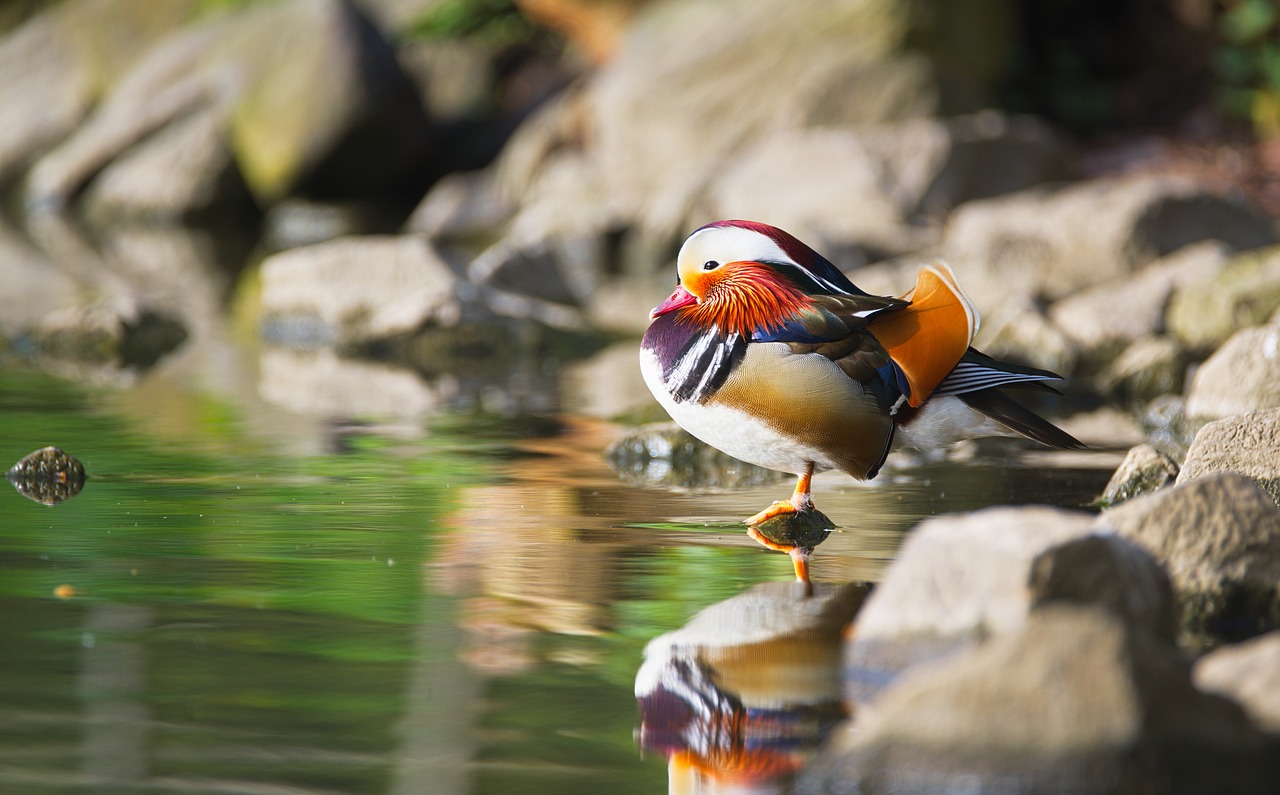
[[959, 579], [1016, 330], [355, 290], [1144, 470], [466, 206], [1147, 368], [184, 169], [56, 65], [1249, 444], [1206, 312], [1114, 313], [266, 88], [874, 185], [1051, 243], [1075, 702], [664, 453], [1249, 674], [1241, 376], [1218, 536]]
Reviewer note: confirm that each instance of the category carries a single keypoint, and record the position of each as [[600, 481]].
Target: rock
[[183, 170], [47, 476], [874, 185], [561, 270], [355, 290], [308, 95], [56, 65], [658, 123], [99, 334], [34, 285], [1244, 293], [664, 453], [1148, 368], [1241, 376], [1248, 444], [1075, 701], [1018, 331], [1052, 243], [1121, 311], [466, 206], [293, 223], [1249, 674], [959, 579], [1164, 422], [1144, 470], [1218, 536]]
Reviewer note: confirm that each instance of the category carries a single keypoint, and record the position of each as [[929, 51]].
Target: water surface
[[249, 602]]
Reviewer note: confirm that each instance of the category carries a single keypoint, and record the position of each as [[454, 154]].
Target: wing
[[927, 339], [828, 318]]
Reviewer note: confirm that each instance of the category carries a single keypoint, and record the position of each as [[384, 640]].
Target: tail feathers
[[977, 371], [1000, 407], [927, 338]]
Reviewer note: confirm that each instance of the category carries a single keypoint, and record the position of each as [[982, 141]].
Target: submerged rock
[[1075, 701], [1144, 470], [47, 476], [1218, 536]]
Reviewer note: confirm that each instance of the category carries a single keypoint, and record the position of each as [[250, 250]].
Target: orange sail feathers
[[927, 338]]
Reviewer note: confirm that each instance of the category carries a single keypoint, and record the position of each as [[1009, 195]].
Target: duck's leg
[[799, 555], [801, 500]]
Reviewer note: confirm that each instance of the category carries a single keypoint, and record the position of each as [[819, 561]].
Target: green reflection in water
[[243, 620]]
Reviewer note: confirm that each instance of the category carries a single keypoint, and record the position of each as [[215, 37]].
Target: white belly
[[734, 432]]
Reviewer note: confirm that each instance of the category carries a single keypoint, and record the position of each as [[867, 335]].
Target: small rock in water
[[1144, 470], [803, 529], [48, 476]]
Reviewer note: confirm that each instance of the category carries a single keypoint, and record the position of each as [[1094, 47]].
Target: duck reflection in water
[[739, 698]]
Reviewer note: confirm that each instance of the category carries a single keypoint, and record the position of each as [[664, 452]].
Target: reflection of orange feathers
[[927, 339]]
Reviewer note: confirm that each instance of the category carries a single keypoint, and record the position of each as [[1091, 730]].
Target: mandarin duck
[[769, 353]]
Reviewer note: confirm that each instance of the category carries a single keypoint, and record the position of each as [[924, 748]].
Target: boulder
[[875, 185], [1144, 470], [56, 65], [1114, 313], [1241, 376], [182, 170], [308, 95], [1249, 444], [1017, 330], [351, 291], [960, 579], [1204, 313], [1050, 243], [1218, 536], [1147, 368], [1248, 673], [466, 207], [1076, 700]]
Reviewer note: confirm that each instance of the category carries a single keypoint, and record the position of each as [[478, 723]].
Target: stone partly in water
[[805, 529], [961, 579], [1249, 674], [1077, 701], [47, 476], [1219, 538], [1144, 470], [664, 453]]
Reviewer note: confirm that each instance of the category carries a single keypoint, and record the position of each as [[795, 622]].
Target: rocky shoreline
[[404, 226]]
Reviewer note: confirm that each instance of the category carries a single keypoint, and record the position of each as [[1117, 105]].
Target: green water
[[461, 609]]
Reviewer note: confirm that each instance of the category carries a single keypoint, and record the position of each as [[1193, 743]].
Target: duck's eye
[[710, 265]]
